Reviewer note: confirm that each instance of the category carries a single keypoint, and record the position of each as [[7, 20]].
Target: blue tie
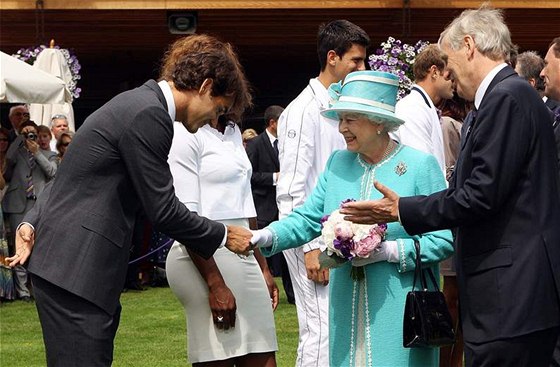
[[275, 145]]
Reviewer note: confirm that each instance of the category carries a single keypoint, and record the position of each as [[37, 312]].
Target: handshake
[[242, 241]]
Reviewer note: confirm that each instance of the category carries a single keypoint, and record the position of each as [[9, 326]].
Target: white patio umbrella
[[21, 82], [52, 61]]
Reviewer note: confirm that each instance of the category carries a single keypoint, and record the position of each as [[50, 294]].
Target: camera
[[30, 136]]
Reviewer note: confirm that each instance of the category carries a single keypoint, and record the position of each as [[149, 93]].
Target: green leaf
[[332, 261]]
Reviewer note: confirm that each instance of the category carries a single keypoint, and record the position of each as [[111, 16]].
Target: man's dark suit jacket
[[264, 160], [506, 208], [116, 164]]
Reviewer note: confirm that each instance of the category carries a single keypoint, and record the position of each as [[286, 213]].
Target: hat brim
[[373, 112]]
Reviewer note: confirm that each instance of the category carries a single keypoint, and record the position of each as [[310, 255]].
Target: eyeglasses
[[3, 139], [65, 144], [59, 116], [19, 113]]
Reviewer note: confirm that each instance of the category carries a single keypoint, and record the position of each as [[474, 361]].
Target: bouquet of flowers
[[397, 58], [346, 240], [29, 55]]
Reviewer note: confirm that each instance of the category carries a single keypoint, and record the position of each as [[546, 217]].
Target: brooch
[[400, 169]]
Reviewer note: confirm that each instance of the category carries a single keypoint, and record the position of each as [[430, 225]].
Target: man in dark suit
[[551, 78], [504, 203], [263, 154], [117, 164]]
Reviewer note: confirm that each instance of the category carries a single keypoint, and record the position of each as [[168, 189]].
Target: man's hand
[[314, 271], [384, 210], [25, 239], [238, 240], [32, 146]]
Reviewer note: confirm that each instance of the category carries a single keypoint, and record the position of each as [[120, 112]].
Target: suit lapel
[[505, 73]]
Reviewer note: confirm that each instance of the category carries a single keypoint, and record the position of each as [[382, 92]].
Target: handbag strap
[[420, 273]]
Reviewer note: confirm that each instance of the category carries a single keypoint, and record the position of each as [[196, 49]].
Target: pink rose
[[367, 245], [343, 231]]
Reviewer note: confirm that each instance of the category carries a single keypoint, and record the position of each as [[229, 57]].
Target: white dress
[[211, 174]]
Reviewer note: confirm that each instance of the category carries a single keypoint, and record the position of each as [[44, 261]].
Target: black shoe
[[26, 299]]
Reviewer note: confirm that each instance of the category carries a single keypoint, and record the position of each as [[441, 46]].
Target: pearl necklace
[[368, 178]]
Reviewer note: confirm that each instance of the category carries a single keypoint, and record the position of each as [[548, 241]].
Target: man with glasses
[[58, 125], [18, 115]]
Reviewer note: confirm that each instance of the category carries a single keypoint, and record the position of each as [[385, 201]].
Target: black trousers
[[76, 332], [530, 350]]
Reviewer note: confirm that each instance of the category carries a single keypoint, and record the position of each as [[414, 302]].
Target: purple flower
[[29, 55], [323, 219], [397, 57]]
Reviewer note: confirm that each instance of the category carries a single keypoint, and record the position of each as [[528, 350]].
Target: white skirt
[[254, 330]]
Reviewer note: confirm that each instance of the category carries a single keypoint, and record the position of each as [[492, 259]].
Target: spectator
[[64, 140], [247, 135], [28, 169], [6, 274], [44, 137], [58, 124], [18, 114]]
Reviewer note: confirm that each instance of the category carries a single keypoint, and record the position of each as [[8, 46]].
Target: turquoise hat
[[372, 93]]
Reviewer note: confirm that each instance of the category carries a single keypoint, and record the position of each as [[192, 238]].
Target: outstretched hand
[[384, 210], [25, 239], [238, 240]]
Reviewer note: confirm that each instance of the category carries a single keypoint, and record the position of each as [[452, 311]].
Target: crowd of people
[[29, 158], [466, 166]]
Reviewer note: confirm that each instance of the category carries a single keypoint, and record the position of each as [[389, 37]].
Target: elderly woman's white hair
[[488, 29]]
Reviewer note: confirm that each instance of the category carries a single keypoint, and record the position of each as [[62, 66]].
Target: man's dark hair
[[272, 113], [530, 65], [339, 36], [555, 44]]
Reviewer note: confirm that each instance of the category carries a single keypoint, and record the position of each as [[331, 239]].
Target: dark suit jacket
[[554, 107], [116, 164], [264, 160], [506, 208]]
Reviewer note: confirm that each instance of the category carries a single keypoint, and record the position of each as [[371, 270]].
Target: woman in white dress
[[228, 300]]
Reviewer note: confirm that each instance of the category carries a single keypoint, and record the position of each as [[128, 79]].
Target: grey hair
[[530, 64], [488, 29], [13, 108], [390, 125]]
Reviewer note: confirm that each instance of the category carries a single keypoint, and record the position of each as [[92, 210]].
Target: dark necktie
[[275, 145], [29, 190], [467, 126]]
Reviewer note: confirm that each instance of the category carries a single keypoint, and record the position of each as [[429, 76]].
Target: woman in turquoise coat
[[366, 316]]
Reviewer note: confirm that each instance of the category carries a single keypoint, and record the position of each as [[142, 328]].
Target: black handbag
[[427, 322]]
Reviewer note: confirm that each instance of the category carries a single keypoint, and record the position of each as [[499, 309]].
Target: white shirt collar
[[321, 93], [166, 89], [481, 91], [270, 137]]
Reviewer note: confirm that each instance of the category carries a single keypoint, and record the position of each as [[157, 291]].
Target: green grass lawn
[[151, 332]]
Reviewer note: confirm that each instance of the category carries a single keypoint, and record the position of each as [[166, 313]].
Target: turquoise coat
[[365, 317]]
